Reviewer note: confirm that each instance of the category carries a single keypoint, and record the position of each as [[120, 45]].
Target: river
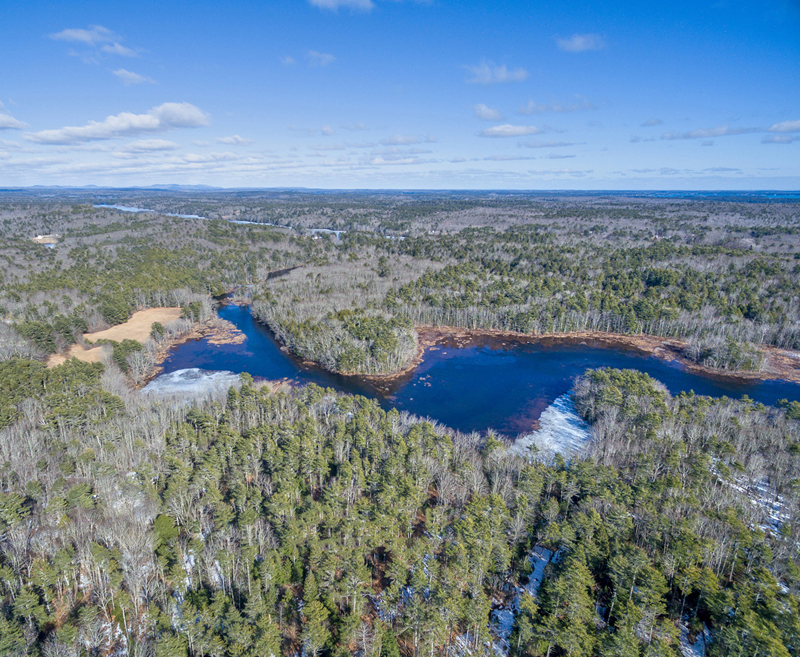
[[504, 385]]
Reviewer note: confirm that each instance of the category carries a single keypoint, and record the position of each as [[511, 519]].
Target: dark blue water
[[500, 384]]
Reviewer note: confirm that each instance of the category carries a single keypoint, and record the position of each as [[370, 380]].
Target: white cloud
[[786, 126], [150, 145], [720, 131], [405, 140], [508, 158], [534, 108], [394, 151], [354, 126], [560, 172], [234, 139], [329, 147], [159, 119], [546, 144], [118, 49], [8, 122], [129, 77], [508, 130], [94, 35], [581, 43], [394, 160], [288, 60], [772, 139], [651, 122], [319, 58], [487, 113], [326, 130], [489, 73], [333, 5]]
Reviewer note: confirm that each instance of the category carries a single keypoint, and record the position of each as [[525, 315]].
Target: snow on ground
[[698, 648], [764, 495], [502, 621], [191, 383], [561, 431], [540, 557]]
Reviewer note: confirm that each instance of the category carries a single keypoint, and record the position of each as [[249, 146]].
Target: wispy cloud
[[129, 77], [394, 160], [507, 130], [150, 146], [333, 5], [406, 140], [581, 43], [768, 139], [720, 131], [312, 132], [561, 172], [487, 113], [288, 60], [8, 122], [536, 108], [343, 147], [786, 126], [159, 119], [490, 73], [651, 122], [91, 37], [316, 59], [547, 144], [97, 37], [507, 158], [118, 49], [234, 139]]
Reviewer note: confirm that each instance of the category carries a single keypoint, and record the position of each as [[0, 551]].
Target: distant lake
[[125, 208], [503, 384]]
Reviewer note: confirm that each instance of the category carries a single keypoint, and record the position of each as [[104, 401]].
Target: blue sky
[[402, 94]]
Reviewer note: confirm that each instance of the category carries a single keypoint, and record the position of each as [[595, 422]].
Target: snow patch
[[561, 431], [191, 382], [503, 618], [698, 648]]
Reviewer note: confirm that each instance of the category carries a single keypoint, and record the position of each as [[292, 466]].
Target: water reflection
[[493, 383]]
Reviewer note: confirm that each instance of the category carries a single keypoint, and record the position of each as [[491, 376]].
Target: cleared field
[[136, 328]]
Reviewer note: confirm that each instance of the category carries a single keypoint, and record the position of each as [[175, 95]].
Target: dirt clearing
[[136, 328]]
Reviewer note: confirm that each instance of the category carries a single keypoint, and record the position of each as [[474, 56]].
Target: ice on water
[[561, 431], [191, 382]]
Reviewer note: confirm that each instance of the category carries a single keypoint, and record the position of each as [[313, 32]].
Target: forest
[[274, 520]]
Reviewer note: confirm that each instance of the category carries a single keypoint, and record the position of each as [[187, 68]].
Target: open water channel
[[505, 385]]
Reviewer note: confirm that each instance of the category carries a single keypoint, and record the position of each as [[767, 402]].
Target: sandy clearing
[[136, 328], [76, 351]]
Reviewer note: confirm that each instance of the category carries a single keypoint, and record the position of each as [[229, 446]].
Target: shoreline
[[219, 331], [781, 364]]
